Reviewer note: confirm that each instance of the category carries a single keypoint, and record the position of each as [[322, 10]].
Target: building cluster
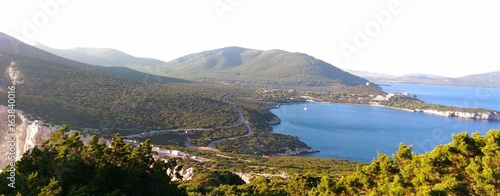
[[175, 153], [389, 96]]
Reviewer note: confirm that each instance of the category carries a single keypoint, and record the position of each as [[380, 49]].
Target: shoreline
[[449, 85], [491, 115]]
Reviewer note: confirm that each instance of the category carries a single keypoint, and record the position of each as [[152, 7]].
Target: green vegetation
[[63, 165], [350, 95], [274, 68], [260, 143], [89, 98], [469, 165], [202, 138], [412, 103], [168, 138], [263, 140]]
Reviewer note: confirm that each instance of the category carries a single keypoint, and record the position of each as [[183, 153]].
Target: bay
[[459, 96], [359, 132]]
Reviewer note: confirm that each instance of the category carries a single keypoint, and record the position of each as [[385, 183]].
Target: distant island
[[485, 80], [371, 94]]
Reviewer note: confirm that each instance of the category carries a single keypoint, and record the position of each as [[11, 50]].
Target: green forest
[[88, 98], [64, 165]]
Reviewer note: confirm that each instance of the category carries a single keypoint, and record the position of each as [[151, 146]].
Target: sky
[[446, 37]]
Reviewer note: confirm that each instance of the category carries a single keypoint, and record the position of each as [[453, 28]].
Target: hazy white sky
[[446, 37]]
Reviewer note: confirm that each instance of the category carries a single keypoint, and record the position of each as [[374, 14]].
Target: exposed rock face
[[180, 174], [27, 134], [247, 177], [275, 121], [14, 74], [492, 115], [298, 151]]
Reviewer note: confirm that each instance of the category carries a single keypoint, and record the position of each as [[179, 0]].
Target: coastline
[[288, 151], [491, 115]]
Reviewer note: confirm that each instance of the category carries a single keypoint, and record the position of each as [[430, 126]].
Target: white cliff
[[14, 74], [248, 177], [28, 133], [491, 115], [298, 151], [180, 174]]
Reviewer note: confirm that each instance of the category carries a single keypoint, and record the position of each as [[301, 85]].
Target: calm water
[[357, 132], [451, 95]]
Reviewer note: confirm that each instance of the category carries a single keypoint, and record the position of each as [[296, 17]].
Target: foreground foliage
[[469, 165], [63, 165]]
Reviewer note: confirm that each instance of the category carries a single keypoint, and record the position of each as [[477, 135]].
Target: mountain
[[11, 45], [272, 68], [488, 80], [63, 91], [370, 75], [60, 91], [101, 56]]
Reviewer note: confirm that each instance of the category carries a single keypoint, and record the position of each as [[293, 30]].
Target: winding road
[[240, 120], [162, 131]]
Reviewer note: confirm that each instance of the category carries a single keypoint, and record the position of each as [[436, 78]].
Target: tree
[[63, 165]]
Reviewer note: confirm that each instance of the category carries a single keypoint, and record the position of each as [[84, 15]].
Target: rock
[[491, 115], [297, 151], [28, 134], [186, 174]]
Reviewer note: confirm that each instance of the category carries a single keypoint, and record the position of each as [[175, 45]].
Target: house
[[175, 152], [380, 98]]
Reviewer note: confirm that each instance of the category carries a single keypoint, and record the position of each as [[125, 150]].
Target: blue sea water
[[358, 132], [451, 95]]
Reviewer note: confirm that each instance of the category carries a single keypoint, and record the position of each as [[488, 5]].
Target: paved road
[[240, 120], [161, 131], [250, 132]]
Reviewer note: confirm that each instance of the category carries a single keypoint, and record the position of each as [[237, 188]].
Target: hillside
[[101, 56], [11, 45], [84, 97], [63, 91], [273, 68]]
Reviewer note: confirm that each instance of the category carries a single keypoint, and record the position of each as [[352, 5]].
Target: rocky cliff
[[180, 174], [298, 151], [492, 115], [28, 133]]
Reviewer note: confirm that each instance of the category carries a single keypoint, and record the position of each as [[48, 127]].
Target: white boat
[[305, 107]]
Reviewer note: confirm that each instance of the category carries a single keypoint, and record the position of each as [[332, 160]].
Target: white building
[[175, 152], [380, 98]]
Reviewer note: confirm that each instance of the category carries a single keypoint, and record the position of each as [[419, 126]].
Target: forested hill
[[84, 97], [101, 56], [11, 45], [272, 68]]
